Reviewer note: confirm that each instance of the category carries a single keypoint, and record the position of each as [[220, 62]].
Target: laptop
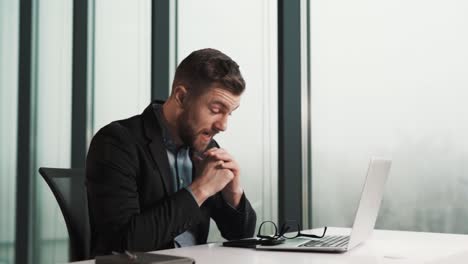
[[364, 221]]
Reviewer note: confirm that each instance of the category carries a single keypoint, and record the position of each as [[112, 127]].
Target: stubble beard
[[188, 134]]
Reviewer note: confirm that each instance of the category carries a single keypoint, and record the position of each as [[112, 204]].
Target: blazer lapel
[[157, 148]]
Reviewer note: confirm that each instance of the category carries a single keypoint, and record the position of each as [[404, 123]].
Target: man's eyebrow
[[222, 104]]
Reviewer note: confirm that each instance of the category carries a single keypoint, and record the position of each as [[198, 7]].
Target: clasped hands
[[216, 170]]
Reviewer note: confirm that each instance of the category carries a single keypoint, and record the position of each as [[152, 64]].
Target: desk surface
[[384, 247]]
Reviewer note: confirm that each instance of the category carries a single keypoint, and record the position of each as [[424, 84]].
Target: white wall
[[122, 62], [390, 78], [247, 32]]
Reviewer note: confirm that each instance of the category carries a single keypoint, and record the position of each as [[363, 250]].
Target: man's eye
[[215, 110]]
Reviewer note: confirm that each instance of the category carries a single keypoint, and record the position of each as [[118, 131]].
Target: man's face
[[205, 116]]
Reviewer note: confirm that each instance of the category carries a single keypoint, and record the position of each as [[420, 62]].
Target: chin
[[200, 147]]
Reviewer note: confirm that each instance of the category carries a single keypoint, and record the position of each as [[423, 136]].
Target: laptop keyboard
[[328, 241]]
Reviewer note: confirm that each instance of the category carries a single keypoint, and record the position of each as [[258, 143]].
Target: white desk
[[384, 247]]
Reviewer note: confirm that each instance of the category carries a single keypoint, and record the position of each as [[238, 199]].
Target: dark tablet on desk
[[143, 258]]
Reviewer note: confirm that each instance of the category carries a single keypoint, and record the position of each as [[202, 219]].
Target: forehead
[[221, 96]]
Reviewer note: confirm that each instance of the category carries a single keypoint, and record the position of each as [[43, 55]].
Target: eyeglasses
[[282, 231]]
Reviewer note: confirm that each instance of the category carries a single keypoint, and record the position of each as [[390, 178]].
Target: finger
[[225, 173], [213, 152], [232, 165], [221, 156], [219, 164], [220, 153], [228, 173], [210, 151], [212, 159]]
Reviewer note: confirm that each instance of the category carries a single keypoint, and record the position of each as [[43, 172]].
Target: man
[[155, 180]]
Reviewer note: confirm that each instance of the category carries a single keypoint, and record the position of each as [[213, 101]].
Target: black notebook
[[143, 258]]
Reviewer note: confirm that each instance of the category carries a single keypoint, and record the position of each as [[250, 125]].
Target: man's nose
[[221, 124]]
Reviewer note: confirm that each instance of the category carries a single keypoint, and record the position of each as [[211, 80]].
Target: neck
[[171, 113]]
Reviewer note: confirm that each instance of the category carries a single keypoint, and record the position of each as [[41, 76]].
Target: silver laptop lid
[[371, 197]]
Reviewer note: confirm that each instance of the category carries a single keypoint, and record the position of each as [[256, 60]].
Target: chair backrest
[[68, 187]]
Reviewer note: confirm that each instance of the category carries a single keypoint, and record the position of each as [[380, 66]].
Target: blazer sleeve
[[112, 170], [234, 223]]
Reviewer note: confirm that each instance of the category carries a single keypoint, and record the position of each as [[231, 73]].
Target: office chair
[[68, 187]]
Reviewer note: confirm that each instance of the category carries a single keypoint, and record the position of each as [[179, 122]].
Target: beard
[[188, 133]]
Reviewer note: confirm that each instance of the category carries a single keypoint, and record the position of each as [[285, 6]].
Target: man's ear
[[180, 95]]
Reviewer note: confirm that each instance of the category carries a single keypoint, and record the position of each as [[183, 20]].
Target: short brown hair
[[205, 67]]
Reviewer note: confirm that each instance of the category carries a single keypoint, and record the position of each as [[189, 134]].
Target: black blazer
[[131, 200]]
